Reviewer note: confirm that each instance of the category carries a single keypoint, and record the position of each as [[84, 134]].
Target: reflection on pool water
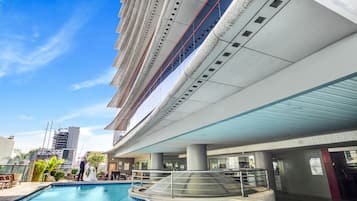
[[100, 192]]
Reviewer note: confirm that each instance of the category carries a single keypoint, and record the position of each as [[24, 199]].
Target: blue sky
[[55, 64]]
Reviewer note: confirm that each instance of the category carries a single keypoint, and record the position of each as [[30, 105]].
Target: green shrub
[[40, 167], [74, 171], [53, 163], [45, 166], [59, 175]]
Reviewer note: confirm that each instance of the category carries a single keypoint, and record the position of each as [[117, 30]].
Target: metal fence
[[15, 169], [200, 183]]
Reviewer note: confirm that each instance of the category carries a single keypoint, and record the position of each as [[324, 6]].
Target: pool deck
[[26, 188], [20, 190]]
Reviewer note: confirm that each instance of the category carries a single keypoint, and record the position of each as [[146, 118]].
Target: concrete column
[[156, 161], [196, 157], [264, 160]]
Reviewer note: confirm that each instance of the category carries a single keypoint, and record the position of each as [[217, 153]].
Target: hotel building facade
[[236, 84]]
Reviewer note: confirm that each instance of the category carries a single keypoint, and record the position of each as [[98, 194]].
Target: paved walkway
[[292, 197], [20, 190]]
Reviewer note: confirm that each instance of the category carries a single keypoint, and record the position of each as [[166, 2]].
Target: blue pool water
[[100, 192]]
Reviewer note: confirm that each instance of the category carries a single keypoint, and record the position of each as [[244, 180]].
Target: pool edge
[[32, 193], [21, 198]]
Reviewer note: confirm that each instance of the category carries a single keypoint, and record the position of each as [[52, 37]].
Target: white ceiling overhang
[[327, 109], [283, 38]]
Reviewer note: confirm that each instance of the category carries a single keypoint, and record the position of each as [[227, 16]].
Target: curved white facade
[[258, 54]]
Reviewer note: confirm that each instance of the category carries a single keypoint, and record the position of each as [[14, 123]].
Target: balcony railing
[[15, 169], [200, 183]]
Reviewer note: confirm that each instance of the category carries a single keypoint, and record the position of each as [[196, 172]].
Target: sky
[[55, 65]]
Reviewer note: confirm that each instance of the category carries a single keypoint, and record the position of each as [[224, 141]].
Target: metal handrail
[[247, 179], [170, 171]]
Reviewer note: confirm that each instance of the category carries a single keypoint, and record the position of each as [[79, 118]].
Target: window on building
[[351, 158]]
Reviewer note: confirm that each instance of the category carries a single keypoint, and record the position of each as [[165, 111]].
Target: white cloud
[[25, 117], [28, 140], [18, 57], [94, 138], [104, 78], [35, 33], [96, 110], [2, 73]]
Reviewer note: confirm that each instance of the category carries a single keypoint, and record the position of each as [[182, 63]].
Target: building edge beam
[[319, 140]]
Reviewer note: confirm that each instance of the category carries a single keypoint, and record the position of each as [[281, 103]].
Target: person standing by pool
[[81, 169]]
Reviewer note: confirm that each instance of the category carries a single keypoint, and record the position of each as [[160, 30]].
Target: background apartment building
[[65, 144], [6, 148]]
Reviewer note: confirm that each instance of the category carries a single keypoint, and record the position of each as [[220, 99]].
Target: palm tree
[[95, 159], [20, 157], [33, 152]]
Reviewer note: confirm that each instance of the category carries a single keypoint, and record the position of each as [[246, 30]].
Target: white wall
[[6, 148], [296, 178]]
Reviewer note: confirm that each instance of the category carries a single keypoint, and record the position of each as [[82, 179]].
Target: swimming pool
[[83, 192]]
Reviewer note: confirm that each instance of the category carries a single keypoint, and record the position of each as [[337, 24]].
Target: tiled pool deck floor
[[292, 197], [20, 190]]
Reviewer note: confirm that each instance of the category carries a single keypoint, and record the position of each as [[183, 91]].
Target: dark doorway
[[345, 166]]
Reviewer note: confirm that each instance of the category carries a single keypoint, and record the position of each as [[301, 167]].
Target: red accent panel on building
[[331, 176], [148, 88]]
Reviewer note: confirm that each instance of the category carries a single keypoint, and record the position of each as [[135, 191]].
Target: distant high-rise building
[[66, 138], [65, 143]]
